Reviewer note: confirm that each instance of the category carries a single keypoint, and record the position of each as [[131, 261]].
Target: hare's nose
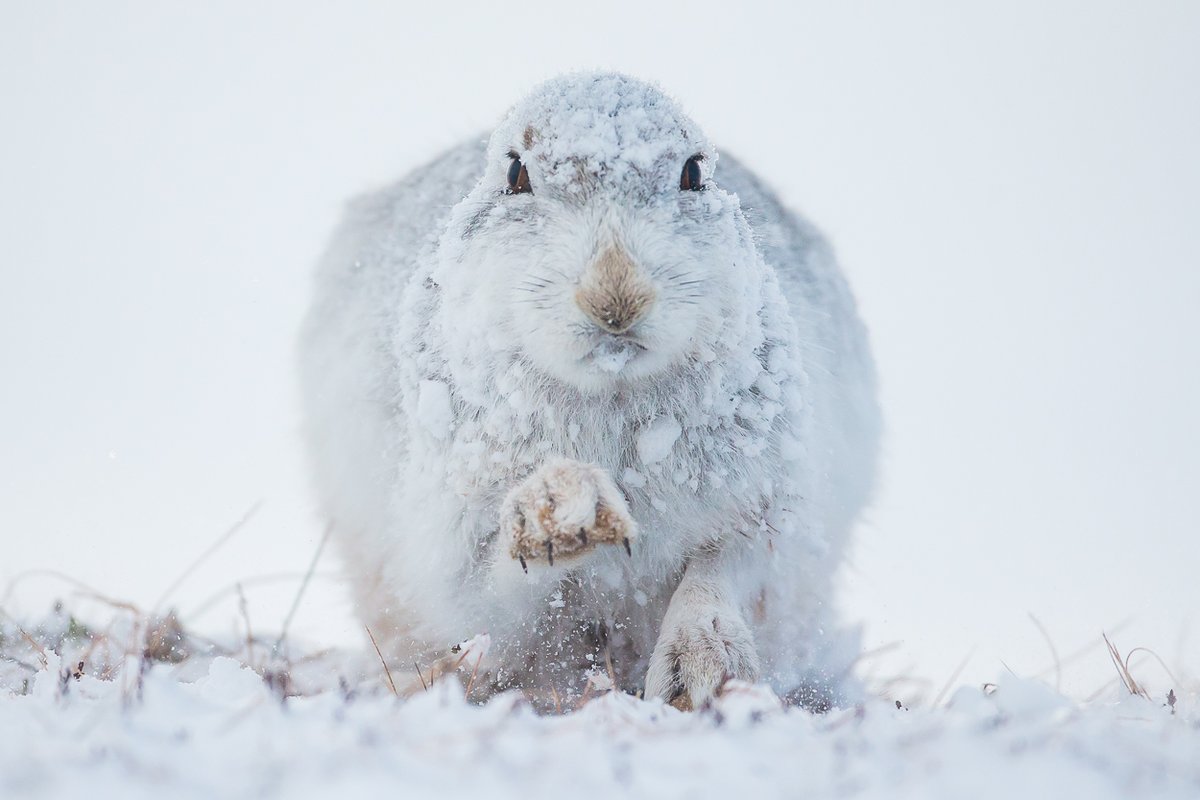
[[614, 293]]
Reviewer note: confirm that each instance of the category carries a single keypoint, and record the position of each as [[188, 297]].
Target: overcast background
[[1014, 193]]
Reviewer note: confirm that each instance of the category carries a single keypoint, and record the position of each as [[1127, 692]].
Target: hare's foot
[[563, 510], [703, 642]]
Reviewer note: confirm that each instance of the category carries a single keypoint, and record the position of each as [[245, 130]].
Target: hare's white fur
[[458, 397]]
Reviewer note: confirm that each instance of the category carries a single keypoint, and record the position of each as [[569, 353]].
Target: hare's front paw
[[561, 511], [699, 647]]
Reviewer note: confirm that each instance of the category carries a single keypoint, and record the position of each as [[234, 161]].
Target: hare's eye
[[690, 179], [518, 177]]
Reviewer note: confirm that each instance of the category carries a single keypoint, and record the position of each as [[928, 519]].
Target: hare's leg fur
[[703, 640], [561, 512]]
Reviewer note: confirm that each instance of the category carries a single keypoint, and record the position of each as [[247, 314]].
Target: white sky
[[1014, 192]]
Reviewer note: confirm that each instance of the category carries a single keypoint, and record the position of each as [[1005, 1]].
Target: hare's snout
[[613, 292]]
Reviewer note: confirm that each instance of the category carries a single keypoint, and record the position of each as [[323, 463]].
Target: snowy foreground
[[212, 727]]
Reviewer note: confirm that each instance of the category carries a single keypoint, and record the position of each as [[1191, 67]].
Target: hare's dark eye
[[518, 177], [690, 179]]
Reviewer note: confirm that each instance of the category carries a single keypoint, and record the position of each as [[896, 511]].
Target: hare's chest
[[665, 466], [488, 452]]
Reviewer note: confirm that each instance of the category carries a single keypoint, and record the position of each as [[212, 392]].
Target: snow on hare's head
[[597, 244]]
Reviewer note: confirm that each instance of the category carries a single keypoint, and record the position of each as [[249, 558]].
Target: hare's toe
[[696, 655]]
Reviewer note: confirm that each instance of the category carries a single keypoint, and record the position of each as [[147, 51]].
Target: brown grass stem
[[387, 672], [214, 547]]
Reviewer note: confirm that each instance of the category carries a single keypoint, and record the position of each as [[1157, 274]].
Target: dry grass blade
[[41, 651], [421, 677], [244, 609], [386, 671], [1083, 651], [1122, 666], [79, 585], [214, 547], [918, 687], [1157, 658], [474, 673], [254, 580], [312, 567], [872, 660], [875, 652], [587, 693], [949, 684], [1053, 651]]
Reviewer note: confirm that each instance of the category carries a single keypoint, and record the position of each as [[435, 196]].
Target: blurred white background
[[1014, 193]]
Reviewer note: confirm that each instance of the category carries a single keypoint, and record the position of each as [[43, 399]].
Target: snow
[[655, 442], [476, 648], [612, 357], [632, 478], [227, 733], [433, 408]]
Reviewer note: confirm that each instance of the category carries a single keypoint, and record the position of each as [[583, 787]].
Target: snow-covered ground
[[228, 734], [176, 721]]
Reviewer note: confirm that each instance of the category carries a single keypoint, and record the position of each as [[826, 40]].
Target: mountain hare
[[598, 395]]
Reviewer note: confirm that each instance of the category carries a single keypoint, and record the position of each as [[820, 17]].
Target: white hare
[[589, 391]]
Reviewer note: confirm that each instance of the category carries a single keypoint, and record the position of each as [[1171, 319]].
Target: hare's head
[[598, 242]]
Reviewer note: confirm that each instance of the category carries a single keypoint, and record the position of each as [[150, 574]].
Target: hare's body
[[475, 408]]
